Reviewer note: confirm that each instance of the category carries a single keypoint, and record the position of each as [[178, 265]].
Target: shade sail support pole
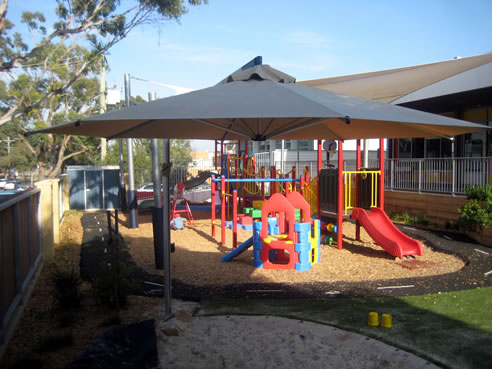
[[166, 236], [132, 194]]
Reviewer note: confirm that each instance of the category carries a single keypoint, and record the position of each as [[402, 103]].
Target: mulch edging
[[478, 261]]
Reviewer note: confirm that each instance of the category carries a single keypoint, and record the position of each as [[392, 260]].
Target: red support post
[[320, 157], [340, 196], [234, 219], [306, 174], [381, 178], [303, 184], [357, 180], [294, 177], [223, 208], [245, 175], [221, 153], [213, 206]]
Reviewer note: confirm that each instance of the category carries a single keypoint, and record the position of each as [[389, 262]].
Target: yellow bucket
[[373, 320]]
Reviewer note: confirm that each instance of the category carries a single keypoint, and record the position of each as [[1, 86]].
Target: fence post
[[392, 175], [453, 176], [420, 176]]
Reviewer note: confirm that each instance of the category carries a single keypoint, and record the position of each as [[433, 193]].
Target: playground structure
[[333, 195], [279, 241]]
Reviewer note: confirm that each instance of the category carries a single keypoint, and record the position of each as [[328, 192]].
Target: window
[[304, 145], [474, 143], [433, 148], [264, 146], [418, 148], [405, 148]]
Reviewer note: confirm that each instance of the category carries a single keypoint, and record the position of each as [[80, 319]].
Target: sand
[[188, 341]]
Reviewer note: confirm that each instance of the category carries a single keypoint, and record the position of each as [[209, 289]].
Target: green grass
[[451, 329]]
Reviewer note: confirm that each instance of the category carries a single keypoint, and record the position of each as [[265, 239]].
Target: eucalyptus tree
[[49, 71], [96, 25]]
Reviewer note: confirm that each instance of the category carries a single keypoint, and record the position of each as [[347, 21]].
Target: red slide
[[385, 234]]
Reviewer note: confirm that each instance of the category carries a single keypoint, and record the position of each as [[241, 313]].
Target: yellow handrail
[[349, 177]]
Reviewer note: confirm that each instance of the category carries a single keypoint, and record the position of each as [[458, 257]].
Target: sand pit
[[188, 341]]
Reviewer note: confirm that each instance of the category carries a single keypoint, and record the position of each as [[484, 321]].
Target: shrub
[[67, 287], [473, 217], [479, 193], [115, 284]]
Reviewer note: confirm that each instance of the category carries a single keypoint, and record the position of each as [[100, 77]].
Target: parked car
[[10, 185]]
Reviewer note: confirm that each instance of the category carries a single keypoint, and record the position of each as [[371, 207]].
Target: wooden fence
[[21, 254]]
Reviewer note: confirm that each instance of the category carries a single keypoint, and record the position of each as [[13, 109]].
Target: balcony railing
[[444, 175]]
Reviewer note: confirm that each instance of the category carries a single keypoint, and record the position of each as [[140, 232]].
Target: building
[[459, 88]]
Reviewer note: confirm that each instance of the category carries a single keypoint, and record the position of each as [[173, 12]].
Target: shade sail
[[262, 103]]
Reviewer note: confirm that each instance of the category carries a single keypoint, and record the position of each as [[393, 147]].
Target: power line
[[179, 90]]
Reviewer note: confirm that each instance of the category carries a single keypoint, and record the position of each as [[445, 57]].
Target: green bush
[[479, 193], [473, 217], [410, 219]]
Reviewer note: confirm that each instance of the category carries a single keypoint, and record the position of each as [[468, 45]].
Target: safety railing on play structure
[[310, 191], [351, 191]]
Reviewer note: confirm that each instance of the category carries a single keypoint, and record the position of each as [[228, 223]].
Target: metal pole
[[453, 163], [366, 153], [282, 150], [132, 196], [157, 215], [122, 177], [166, 236], [156, 176], [102, 102]]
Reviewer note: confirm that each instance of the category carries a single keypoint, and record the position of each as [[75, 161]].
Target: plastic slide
[[385, 234], [198, 180], [238, 250]]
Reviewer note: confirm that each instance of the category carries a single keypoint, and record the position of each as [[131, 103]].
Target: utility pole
[[132, 195], [102, 101]]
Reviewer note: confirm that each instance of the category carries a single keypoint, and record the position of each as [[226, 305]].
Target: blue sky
[[306, 39]]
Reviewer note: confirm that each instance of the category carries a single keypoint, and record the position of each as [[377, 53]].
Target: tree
[[95, 24], [180, 152], [52, 77], [52, 151], [142, 160]]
